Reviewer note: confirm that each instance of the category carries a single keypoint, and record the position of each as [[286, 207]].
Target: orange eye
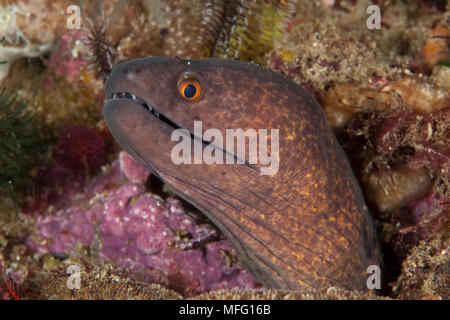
[[189, 89]]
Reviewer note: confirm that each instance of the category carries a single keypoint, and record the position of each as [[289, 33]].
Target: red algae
[[80, 149]]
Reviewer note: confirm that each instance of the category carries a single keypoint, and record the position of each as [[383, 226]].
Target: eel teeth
[[130, 96]]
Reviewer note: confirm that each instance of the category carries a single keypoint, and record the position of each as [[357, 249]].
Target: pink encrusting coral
[[157, 239]]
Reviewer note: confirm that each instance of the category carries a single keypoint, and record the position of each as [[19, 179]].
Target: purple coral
[[155, 239], [134, 171]]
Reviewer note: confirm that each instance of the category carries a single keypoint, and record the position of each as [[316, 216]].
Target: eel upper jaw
[[138, 100]]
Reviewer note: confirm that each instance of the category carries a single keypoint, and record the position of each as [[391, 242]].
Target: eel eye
[[189, 89]]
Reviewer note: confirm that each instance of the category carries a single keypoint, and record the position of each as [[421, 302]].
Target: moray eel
[[304, 226]]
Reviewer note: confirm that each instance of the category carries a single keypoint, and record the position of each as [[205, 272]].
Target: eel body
[[304, 226]]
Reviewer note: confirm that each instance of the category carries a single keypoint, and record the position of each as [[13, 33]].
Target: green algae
[[19, 146]]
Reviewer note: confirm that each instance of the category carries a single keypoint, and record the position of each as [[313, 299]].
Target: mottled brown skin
[[306, 226]]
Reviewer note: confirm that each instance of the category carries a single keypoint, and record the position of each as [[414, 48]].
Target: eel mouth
[[138, 100], [144, 104], [129, 96]]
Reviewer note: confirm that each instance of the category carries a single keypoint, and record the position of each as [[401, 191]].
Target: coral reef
[[60, 90], [385, 93], [142, 233], [398, 131], [110, 283], [395, 131], [237, 29], [426, 271], [317, 50], [419, 221], [392, 190], [321, 48], [31, 29], [272, 294], [102, 283], [248, 29], [436, 49]]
